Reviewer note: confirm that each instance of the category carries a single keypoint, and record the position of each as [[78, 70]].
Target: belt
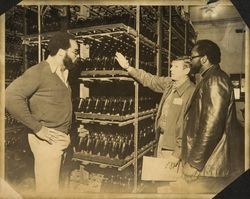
[[67, 133], [161, 131], [164, 149]]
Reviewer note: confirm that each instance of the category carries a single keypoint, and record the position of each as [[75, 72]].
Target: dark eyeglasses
[[192, 57], [75, 52]]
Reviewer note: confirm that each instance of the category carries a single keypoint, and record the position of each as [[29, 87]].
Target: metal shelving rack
[[119, 120], [15, 33], [114, 119], [111, 162], [188, 37]]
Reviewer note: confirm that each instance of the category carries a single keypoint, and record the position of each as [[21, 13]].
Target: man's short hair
[[60, 40], [185, 59], [210, 49]]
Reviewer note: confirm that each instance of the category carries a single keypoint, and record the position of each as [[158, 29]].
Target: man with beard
[[41, 100], [212, 141]]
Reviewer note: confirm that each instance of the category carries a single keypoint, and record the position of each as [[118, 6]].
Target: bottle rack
[[13, 48], [14, 28], [149, 36], [131, 44], [17, 151], [112, 145], [177, 30], [18, 156]]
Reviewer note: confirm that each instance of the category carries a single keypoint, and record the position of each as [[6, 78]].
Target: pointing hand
[[122, 60]]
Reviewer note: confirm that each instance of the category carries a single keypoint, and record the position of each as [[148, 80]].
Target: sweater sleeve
[[154, 82], [17, 95]]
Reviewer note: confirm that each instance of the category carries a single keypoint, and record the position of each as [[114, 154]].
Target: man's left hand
[[190, 173], [173, 162]]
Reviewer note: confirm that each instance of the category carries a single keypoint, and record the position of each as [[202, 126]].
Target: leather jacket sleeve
[[213, 110]]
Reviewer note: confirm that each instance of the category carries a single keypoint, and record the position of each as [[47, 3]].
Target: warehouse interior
[[127, 124]]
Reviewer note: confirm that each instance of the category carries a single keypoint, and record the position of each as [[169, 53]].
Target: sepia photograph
[[123, 99]]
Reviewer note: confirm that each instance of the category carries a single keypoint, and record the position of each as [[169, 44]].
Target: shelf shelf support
[[159, 42], [169, 38], [137, 58], [39, 33]]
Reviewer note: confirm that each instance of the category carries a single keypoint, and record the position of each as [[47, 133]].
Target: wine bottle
[[131, 107], [96, 144], [124, 106], [87, 105], [124, 150], [113, 150], [78, 144], [119, 147], [89, 144], [96, 105], [105, 106], [83, 145], [105, 146]]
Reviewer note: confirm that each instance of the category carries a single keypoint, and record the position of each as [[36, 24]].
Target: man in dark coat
[[212, 142]]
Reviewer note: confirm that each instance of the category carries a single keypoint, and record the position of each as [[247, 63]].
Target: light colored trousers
[[47, 163]]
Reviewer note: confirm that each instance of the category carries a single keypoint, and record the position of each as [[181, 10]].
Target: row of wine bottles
[[108, 45], [122, 17], [52, 20], [114, 105], [14, 53], [118, 145], [118, 183], [9, 120], [14, 46], [16, 139], [15, 20], [13, 69], [110, 180], [121, 181], [109, 63]]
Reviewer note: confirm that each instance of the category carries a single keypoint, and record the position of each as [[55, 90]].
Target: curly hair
[[210, 49], [60, 40]]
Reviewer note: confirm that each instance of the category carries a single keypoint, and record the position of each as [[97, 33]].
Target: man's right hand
[[122, 60], [190, 173]]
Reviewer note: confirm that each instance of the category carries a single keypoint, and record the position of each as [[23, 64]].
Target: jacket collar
[[204, 72]]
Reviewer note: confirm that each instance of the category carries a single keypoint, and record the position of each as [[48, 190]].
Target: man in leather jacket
[[212, 142]]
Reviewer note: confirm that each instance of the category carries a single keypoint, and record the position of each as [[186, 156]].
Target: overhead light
[[211, 1], [210, 9]]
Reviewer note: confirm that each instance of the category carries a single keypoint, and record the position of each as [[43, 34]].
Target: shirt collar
[[55, 69], [180, 89], [53, 66]]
